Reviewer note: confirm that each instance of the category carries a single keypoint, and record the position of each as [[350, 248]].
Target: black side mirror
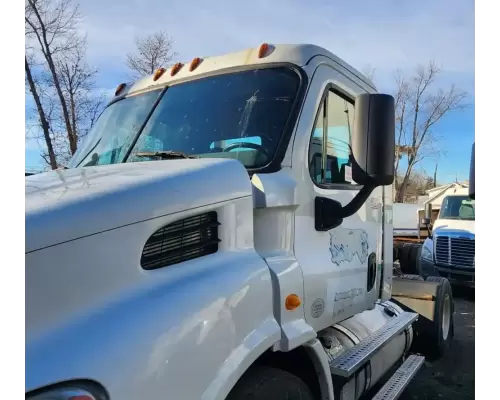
[[472, 173], [373, 141]]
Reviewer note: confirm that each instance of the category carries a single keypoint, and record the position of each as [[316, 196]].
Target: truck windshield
[[458, 207], [238, 115]]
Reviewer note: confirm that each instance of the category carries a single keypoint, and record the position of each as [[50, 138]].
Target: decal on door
[[346, 299], [346, 244]]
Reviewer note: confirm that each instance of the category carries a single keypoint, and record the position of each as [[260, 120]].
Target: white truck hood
[[64, 205], [454, 224]]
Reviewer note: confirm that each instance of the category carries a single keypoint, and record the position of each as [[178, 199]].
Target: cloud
[[386, 34]]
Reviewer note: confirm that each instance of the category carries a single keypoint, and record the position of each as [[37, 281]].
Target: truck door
[[340, 266]]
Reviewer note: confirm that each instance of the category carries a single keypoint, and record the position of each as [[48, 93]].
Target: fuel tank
[[348, 333]]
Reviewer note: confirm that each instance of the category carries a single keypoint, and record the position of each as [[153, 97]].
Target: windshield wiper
[[165, 155]]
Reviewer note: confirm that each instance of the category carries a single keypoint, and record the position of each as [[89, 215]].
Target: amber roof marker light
[[264, 50], [176, 68], [120, 88], [158, 73], [194, 64]]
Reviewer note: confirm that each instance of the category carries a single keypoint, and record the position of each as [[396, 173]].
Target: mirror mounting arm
[[329, 213], [429, 231], [357, 202]]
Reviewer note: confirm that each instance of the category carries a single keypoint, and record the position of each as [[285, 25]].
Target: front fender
[[190, 335], [241, 358]]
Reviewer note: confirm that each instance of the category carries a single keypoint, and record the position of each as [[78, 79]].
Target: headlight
[[67, 393], [427, 250]]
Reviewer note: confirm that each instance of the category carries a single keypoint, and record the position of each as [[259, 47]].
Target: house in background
[[436, 195]]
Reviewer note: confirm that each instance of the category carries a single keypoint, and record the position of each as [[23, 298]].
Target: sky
[[384, 35]]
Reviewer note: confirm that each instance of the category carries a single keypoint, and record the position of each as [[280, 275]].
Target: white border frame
[[488, 276], [11, 243], [12, 290]]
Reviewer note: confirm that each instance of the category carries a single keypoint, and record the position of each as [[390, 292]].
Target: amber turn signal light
[[292, 302]]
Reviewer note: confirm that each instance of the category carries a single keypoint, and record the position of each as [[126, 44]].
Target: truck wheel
[[413, 258], [439, 334], [266, 383], [404, 258]]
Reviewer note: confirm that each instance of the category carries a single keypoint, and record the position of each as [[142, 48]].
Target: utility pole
[[435, 175]]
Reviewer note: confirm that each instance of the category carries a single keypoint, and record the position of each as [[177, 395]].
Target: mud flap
[[415, 295], [426, 298]]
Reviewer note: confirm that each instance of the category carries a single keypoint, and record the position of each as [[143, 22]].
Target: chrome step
[[395, 386], [353, 359]]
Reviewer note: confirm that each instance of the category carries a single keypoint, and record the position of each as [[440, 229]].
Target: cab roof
[[296, 54]]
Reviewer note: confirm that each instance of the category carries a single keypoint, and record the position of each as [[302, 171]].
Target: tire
[[438, 334], [411, 277], [396, 251], [413, 258], [266, 383], [404, 258]]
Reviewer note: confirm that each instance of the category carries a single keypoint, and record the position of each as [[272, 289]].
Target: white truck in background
[[199, 247], [450, 251]]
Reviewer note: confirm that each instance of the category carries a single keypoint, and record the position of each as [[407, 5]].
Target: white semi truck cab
[[225, 232], [450, 251]]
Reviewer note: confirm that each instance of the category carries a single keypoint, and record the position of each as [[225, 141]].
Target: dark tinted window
[[239, 115]]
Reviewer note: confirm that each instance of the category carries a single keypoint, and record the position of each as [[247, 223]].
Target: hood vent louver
[[183, 240]]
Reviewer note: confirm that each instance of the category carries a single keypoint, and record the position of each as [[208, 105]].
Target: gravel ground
[[451, 378]]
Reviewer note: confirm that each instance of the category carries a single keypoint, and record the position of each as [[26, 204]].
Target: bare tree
[[52, 139], [44, 124], [153, 51], [84, 103], [77, 84], [419, 107], [53, 26], [61, 83], [401, 98]]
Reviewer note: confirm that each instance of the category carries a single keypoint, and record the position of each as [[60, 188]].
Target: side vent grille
[[183, 240]]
